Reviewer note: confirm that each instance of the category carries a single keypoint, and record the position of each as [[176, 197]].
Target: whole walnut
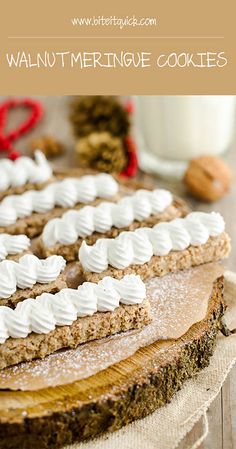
[[208, 178]]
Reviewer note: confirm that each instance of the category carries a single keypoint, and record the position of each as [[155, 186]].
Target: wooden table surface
[[222, 413]]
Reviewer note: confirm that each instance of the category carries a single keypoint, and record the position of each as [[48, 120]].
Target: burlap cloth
[[166, 428]]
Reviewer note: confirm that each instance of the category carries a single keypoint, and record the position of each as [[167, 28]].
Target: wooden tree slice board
[[126, 391]]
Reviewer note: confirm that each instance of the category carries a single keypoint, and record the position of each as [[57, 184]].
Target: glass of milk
[[170, 130]]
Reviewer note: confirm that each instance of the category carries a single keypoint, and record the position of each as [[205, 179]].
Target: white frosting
[[7, 278], [4, 334], [107, 294], [83, 299], [81, 223], [121, 253], [132, 289], [142, 248], [95, 258], [43, 314], [27, 271], [65, 193], [13, 244], [24, 170], [139, 246]]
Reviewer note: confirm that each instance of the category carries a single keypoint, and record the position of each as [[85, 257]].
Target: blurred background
[[184, 143]]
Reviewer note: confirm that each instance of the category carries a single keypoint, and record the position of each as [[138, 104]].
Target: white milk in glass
[[182, 127]]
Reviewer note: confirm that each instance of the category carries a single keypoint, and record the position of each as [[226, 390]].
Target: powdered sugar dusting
[[177, 302]]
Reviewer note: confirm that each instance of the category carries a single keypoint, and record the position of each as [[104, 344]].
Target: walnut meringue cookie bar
[[41, 326], [30, 277], [24, 174], [28, 212], [64, 235], [14, 246], [167, 247]]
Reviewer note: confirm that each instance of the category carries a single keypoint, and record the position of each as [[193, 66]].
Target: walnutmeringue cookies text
[[23, 170], [65, 193], [43, 314], [139, 246], [13, 244], [27, 271], [81, 223]]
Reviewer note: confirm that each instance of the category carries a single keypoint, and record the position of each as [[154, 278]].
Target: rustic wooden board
[[112, 398]]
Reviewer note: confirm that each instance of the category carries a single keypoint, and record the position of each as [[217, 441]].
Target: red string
[[6, 141], [129, 107], [132, 166]]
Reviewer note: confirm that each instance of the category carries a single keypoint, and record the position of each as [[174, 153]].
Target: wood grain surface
[[222, 413]]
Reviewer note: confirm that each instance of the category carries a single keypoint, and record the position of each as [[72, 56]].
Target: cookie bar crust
[[36, 290], [33, 225], [70, 252], [28, 186], [99, 325], [215, 249]]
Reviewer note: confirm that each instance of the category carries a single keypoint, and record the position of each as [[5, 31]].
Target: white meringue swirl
[[18, 325], [23, 170], [7, 278], [13, 244], [4, 334], [60, 306], [139, 246], [95, 258], [27, 271], [120, 251], [83, 299], [132, 290], [42, 320], [139, 206], [65, 193], [107, 294], [142, 248], [43, 314]]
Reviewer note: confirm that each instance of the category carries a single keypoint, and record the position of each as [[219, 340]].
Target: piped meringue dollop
[[132, 289], [139, 206], [13, 244], [23, 170], [139, 246], [108, 297], [95, 258], [27, 271], [7, 278], [4, 333], [120, 251], [65, 193], [43, 314]]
